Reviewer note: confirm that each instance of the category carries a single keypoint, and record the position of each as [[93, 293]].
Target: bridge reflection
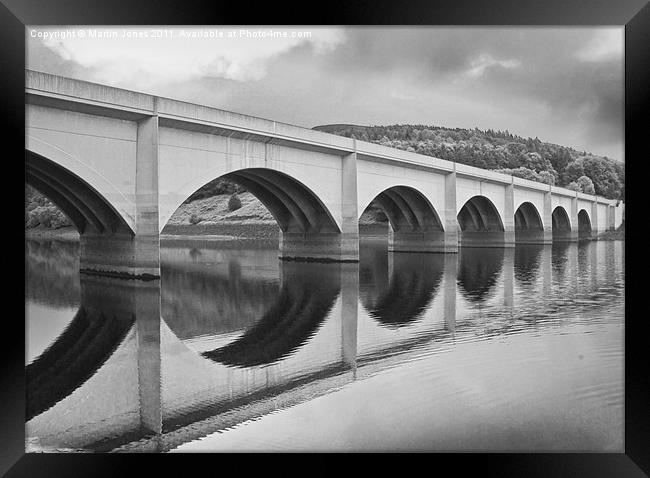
[[100, 378], [305, 299], [478, 272], [120, 377], [527, 262], [398, 290], [100, 325]]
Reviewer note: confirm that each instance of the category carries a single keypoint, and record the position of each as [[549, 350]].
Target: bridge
[[119, 163]]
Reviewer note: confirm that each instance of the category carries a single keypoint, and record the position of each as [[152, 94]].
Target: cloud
[[134, 57], [561, 84], [604, 46], [485, 61]]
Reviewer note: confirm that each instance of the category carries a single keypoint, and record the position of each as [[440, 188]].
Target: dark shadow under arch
[[528, 225], [561, 225], [408, 210], [414, 224], [584, 225], [86, 208], [480, 223]]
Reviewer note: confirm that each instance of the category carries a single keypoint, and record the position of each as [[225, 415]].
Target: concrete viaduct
[[119, 163]]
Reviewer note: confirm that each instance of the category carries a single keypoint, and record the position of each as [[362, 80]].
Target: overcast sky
[[563, 85]]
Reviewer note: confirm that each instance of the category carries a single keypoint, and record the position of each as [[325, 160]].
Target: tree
[[604, 173], [547, 177], [573, 186], [573, 171], [586, 185], [234, 203], [497, 150], [525, 173], [559, 159]]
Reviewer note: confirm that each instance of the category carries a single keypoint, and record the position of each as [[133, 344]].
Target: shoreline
[[232, 232]]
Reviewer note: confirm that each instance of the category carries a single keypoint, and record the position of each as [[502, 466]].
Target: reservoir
[[490, 349]]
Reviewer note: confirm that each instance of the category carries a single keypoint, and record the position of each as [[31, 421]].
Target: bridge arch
[[295, 207], [584, 224], [408, 210], [561, 224], [529, 228], [87, 208], [480, 223], [414, 222]]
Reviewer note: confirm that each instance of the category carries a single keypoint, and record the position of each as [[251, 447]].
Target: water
[[485, 350]]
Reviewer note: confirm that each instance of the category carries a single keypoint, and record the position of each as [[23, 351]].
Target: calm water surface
[[488, 349]]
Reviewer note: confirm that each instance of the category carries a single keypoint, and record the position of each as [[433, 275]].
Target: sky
[[562, 85]]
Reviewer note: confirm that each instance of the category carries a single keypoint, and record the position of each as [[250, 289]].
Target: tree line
[[502, 151]]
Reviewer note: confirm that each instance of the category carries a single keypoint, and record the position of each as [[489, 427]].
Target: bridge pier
[[532, 236], [123, 253], [418, 241], [547, 218], [330, 246], [487, 239], [319, 247], [595, 229], [120, 255], [574, 233], [509, 216], [451, 219]]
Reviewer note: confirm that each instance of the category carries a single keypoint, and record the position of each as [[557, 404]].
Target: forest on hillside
[[501, 151]]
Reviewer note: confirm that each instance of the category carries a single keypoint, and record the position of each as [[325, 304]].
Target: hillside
[[529, 158]]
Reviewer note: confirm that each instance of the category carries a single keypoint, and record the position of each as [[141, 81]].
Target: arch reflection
[[527, 262], [397, 290], [204, 295], [104, 318], [478, 272], [560, 258], [306, 296]]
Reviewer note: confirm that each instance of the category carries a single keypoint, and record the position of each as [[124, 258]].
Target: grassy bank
[[617, 235]]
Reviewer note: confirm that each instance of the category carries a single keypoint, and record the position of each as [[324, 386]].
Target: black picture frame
[[633, 14]]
